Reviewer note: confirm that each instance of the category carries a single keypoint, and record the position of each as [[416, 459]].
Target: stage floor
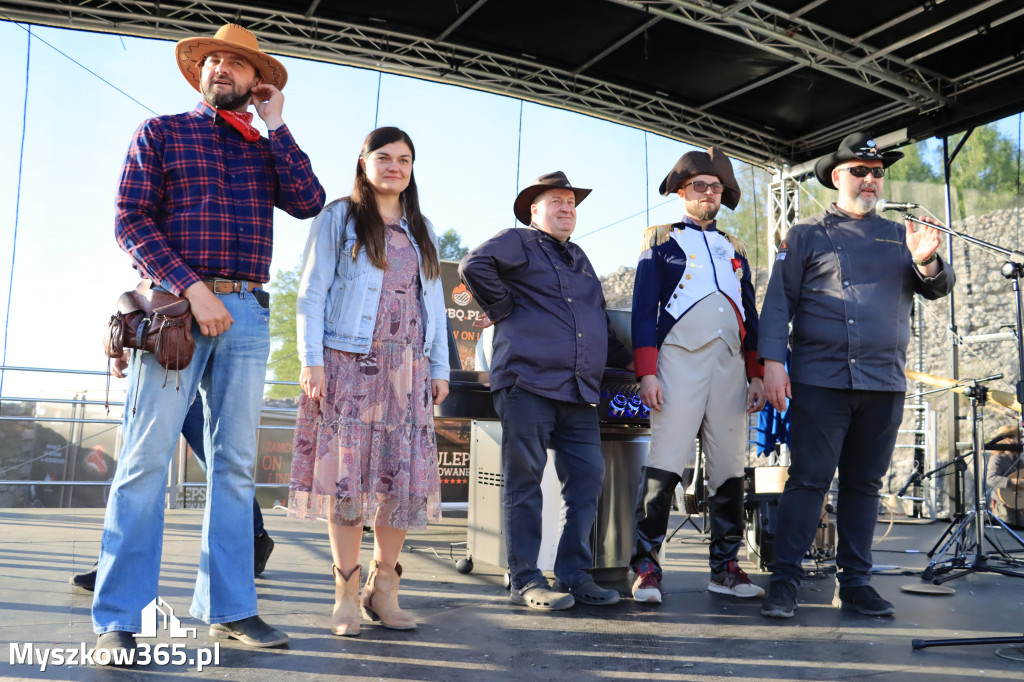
[[468, 630]]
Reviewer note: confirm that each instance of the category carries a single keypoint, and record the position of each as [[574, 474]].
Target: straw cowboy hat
[[556, 180], [190, 53], [710, 162], [854, 147]]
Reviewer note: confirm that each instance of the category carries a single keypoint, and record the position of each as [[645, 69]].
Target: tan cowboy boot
[[345, 618], [380, 597]]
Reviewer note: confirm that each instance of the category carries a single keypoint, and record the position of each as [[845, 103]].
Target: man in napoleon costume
[[695, 352]]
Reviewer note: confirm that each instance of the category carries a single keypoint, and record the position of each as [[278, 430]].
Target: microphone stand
[[1016, 257], [1012, 269]]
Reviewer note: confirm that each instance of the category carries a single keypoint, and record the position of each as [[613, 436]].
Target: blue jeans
[[530, 426], [854, 431], [192, 431], [229, 371]]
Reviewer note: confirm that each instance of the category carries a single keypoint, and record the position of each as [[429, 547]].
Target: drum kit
[[1010, 496]]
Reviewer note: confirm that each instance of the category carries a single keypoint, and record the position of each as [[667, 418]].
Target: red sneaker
[[647, 588]]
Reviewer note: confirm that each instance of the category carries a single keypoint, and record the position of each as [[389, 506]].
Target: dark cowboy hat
[[854, 147], [556, 180], [711, 162], [232, 37]]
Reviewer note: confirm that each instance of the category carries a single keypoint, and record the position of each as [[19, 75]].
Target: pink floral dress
[[366, 453]]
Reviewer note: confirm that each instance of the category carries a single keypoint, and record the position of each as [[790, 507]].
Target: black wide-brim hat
[[854, 147], [710, 162], [556, 180]]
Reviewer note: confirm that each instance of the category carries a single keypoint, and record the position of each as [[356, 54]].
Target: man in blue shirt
[[552, 340], [846, 280]]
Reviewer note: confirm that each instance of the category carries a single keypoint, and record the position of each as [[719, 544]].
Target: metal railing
[[31, 443], [50, 452]]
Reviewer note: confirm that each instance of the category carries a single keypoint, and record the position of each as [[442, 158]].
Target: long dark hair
[[370, 231]]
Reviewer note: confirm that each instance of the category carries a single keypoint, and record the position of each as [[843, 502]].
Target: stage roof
[[775, 82]]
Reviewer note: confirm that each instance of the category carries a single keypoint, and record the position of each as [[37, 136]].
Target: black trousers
[[854, 431]]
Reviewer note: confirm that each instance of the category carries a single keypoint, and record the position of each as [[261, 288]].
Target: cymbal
[[1004, 398], [1001, 398]]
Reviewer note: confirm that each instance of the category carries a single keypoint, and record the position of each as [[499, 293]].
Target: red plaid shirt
[[196, 201]]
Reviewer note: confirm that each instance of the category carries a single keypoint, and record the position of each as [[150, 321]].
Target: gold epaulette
[[737, 243], [655, 236]]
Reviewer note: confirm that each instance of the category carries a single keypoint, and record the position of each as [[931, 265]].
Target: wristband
[[930, 260]]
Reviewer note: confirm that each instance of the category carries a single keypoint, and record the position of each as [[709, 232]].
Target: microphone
[[886, 205], [914, 478]]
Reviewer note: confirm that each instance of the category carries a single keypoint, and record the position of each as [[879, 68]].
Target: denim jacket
[[338, 296]]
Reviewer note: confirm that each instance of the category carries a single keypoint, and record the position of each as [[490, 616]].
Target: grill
[[625, 438]]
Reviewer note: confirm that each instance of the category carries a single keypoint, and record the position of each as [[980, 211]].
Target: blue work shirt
[[848, 285], [551, 334]]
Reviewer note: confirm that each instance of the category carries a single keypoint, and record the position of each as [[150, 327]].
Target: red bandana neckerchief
[[240, 122]]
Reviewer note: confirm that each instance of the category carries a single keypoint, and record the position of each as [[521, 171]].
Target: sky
[[64, 270], [471, 159]]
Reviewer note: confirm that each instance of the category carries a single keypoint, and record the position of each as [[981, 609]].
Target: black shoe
[[589, 592], [262, 546], [864, 599], [252, 631], [117, 647], [86, 581], [780, 602]]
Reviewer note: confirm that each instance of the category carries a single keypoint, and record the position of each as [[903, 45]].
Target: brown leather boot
[[345, 618], [380, 597]]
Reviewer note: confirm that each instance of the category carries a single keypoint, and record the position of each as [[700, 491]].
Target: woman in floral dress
[[374, 347]]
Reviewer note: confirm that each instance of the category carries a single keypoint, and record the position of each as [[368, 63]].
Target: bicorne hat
[[710, 162]]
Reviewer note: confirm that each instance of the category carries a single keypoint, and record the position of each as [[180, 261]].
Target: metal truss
[[909, 88], [804, 43], [783, 209], [367, 46]]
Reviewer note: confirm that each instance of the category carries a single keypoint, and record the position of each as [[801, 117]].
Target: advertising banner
[[463, 310]]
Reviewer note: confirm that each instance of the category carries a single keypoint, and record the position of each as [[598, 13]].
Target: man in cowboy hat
[[552, 340], [194, 211], [846, 280], [695, 349]]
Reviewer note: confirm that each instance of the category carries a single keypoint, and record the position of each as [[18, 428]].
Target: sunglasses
[[701, 187], [862, 171]]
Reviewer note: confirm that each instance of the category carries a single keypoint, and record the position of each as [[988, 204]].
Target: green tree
[[988, 161], [450, 245], [284, 357], [749, 222], [913, 167]]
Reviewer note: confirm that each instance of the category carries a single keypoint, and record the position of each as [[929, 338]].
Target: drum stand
[[695, 505], [1012, 269], [966, 534]]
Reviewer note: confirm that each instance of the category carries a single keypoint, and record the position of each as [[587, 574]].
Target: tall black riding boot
[[654, 504], [725, 509]]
